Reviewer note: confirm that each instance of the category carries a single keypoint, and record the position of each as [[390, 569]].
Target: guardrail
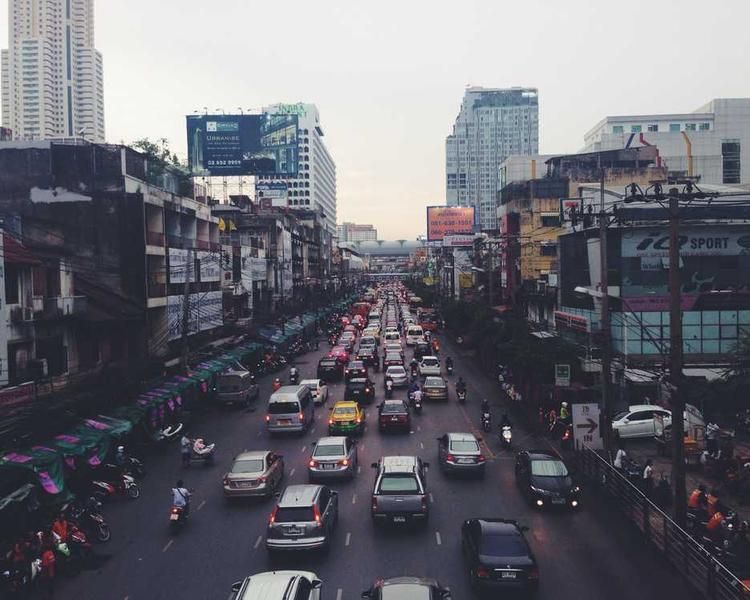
[[701, 569]]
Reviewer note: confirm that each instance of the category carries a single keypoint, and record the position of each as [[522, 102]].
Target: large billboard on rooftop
[[449, 220]]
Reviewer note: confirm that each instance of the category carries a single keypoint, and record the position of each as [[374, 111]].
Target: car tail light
[[175, 510], [450, 458], [268, 418], [272, 519], [302, 416], [424, 503], [402, 418], [330, 421], [533, 573], [483, 572], [261, 479], [313, 463], [481, 458], [316, 514], [374, 504]]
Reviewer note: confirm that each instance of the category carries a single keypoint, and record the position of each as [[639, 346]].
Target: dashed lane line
[[438, 539], [348, 539], [354, 498], [201, 505], [257, 542], [432, 498], [291, 472], [168, 546], [339, 594], [303, 449], [421, 445]]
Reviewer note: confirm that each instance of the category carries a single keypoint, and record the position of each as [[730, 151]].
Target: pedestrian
[[712, 438], [648, 477], [185, 450], [713, 502], [619, 458]]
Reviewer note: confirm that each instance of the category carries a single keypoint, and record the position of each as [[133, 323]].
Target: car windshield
[[283, 408], [406, 591], [393, 356], [393, 407], [398, 484], [294, 514], [430, 362], [255, 465], [503, 545], [434, 382], [548, 468], [344, 411], [621, 415], [329, 450], [464, 446]]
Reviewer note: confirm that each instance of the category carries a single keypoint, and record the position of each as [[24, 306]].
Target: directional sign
[[586, 430]]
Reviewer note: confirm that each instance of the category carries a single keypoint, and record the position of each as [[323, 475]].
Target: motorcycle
[[418, 405], [461, 395], [177, 518], [389, 390], [566, 442], [449, 368], [414, 372], [74, 554], [293, 376], [506, 436], [87, 516], [132, 466], [124, 486], [486, 422], [200, 452]]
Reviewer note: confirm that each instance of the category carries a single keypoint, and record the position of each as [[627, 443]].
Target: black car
[[329, 369], [422, 349], [545, 480], [355, 369], [360, 390], [369, 356], [498, 556], [394, 414], [407, 588]]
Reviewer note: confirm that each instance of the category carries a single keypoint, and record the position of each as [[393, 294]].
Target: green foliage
[[158, 151]]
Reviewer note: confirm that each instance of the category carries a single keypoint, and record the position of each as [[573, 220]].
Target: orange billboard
[[448, 220]]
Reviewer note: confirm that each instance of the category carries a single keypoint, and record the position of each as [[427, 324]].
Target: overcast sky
[[388, 76]]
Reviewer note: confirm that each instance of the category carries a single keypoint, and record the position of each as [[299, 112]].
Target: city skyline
[[390, 98]]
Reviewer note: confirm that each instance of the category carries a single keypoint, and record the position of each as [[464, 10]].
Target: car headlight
[[576, 489]]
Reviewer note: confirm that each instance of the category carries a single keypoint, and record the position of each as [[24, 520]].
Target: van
[[290, 409], [393, 336], [413, 334], [236, 386]]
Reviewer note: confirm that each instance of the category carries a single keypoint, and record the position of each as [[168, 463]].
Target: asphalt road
[[590, 554]]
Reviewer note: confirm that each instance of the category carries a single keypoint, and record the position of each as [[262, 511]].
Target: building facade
[[52, 74], [314, 187], [491, 125], [352, 232], [708, 142]]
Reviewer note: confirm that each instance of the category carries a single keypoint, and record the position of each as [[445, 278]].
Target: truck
[[399, 496]]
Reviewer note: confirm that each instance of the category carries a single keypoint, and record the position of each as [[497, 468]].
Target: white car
[[318, 390], [398, 375], [430, 366], [638, 421]]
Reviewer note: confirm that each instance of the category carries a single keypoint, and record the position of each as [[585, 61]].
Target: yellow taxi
[[346, 418]]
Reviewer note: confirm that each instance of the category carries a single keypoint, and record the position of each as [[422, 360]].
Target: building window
[[550, 221], [690, 127], [730, 161], [653, 127], [704, 126], [635, 129], [674, 128], [548, 250]]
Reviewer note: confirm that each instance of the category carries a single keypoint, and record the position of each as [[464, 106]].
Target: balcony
[[21, 314], [59, 307], [154, 238]]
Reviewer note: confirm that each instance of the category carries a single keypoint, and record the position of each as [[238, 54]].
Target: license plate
[[325, 466], [558, 500], [464, 461], [293, 531], [174, 517], [284, 421], [395, 419], [399, 519], [248, 484], [508, 575]]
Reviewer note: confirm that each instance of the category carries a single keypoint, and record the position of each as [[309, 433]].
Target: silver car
[[253, 474], [333, 457], [430, 366], [304, 519], [278, 585], [398, 375], [318, 389], [461, 453]]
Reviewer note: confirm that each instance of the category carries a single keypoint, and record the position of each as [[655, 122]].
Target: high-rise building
[[52, 75], [492, 125], [352, 232], [314, 187], [706, 143]]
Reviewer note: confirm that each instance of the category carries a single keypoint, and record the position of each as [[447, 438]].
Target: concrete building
[[314, 187], [491, 125], [352, 232], [52, 75], [707, 142]]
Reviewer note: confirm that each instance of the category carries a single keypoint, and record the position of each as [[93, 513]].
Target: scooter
[[88, 517], [200, 452], [449, 368], [486, 422], [177, 518], [125, 486], [506, 437], [293, 376], [418, 405], [461, 395]]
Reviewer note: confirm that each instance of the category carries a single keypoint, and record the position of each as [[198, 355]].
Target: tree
[[158, 151]]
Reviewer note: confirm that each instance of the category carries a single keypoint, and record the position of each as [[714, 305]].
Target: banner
[[272, 194], [210, 266], [449, 220], [694, 241]]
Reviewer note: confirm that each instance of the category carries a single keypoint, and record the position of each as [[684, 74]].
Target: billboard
[[449, 220], [274, 193], [231, 145]]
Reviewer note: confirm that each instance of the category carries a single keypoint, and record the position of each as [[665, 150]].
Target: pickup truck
[[400, 493]]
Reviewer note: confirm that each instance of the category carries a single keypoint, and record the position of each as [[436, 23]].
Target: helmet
[[120, 449], [564, 404]]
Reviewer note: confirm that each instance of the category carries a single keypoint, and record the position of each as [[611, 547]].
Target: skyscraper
[[52, 75], [314, 187], [492, 125]]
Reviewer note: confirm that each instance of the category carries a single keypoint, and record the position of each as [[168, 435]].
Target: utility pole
[[186, 311], [604, 320], [675, 361], [491, 266]]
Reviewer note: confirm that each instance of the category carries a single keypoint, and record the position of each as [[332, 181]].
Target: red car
[[340, 354]]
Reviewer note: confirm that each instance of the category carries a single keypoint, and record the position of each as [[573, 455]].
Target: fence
[[695, 563]]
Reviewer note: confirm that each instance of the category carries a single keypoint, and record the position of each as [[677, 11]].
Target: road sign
[[586, 431], [562, 375]]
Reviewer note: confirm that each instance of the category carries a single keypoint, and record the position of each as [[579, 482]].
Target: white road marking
[[168, 546], [257, 542], [312, 430], [339, 594], [438, 539], [359, 469], [304, 448], [260, 433], [432, 498], [291, 472], [421, 445], [201, 505], [354, 498], [362, 446], [412, 432], [419, 428], [348, 539]]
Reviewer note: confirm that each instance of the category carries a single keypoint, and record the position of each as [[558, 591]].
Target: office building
[[314, 187], [492, 125], [352, 232], [707, 142], [52, 75]]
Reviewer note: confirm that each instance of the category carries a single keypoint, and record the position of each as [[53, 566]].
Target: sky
[[388, 76]]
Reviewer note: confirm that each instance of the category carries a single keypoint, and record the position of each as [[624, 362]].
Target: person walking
[[619, 458], [648, 477]]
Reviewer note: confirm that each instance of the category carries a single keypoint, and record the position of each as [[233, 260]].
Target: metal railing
[[701, 569]]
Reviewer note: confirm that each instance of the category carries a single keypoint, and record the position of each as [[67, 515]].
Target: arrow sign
[[592, 425]]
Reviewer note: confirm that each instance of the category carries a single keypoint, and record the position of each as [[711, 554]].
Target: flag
[[222, 225], [232, 226]]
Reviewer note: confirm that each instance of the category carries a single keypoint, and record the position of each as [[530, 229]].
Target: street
[[589, 554]]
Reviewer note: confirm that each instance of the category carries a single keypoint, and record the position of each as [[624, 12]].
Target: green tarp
[[109, 425], [47, 466]]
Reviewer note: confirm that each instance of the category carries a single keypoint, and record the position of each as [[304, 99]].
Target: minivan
[[236, 386], [303, 519], [413, 334], [290, 409]]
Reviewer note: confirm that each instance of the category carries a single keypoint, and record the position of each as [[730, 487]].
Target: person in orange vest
[[61, 527], [713, 502]]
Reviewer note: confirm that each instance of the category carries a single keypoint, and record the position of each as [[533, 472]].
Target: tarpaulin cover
[[133, 413], [110, 425], [47, 466]]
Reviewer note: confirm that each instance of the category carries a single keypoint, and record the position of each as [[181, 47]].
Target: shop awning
[[46, 465]]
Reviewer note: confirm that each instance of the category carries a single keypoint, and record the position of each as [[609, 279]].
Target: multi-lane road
[[589, 554]]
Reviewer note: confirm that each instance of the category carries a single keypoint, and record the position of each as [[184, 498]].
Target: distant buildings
[[352, 232], [52, 75], [492, 125]]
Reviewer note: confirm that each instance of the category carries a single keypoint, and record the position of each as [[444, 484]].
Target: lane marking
[[260, 433], [412, 432], [354, 498], [359, 469], [339, 594], [201, 505], [438, 539], [257, 542], [312, 430], [419, 428], [303, 449], [421, 445], [168, 546], [348, 539], [432, 498], [362, 446], [291, 472]]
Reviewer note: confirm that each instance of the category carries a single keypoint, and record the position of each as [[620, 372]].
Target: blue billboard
[[230, 145]]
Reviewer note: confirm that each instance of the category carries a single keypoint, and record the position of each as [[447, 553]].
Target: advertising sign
[[586, 431], [286, 273], [449, 220], [210, 266], [694, 241], [458, 241], [276, 192], [178, 265], [230, 145]]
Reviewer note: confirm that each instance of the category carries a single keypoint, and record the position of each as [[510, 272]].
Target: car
[[498, 556], [340, 353], [394, 414], [421, 349], [392, 359], [347, 343], [278, 585], [350, 329], [399, 496], [318, 389], [369, 356], [367, 341], [435, 388], [355, 368], [398, 376], [360, 390], [330, 369], [394, 348], [638, 421], [545, 480], [254, 474], [429, 365], [333, 457], [407, 588], [374, 332], [460, 453], [346, 418], [303, 519]]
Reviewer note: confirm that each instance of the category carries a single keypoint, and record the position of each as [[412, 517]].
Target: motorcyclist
[[120, 457], [417, 397], [461, 385], [388, 386], [485, 405], [564, 413], [276, 384], [449, 363], [293, 374], [181, 497], [505, 421], [413, 387]]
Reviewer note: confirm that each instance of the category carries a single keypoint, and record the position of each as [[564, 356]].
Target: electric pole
[[186, 311], [604, 321]]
